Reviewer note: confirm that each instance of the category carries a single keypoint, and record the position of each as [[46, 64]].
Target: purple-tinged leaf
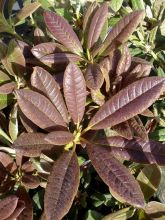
[[137, 150], [124, 130], [98, 97], [115, 175], [63, 32], [7, 206], [31, 144], [138, 128], [147, 113], [62, 186], [155, 210], [44, 49], [28, 167], [127, 103], [59, 137], [30, 181], [94, 77], [97, 24], [45, 83], [8, 162], [60, 58], [25, 48], [20, 207], [88, 14], [120, 32], [75, 92], [27, 213], [27, 123], [39, 109]]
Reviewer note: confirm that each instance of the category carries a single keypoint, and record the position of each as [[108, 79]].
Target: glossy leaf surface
[[62, 186], [127, 103], [74, 91], [62, 31], [109, 168], [39, 109], [45, 83]]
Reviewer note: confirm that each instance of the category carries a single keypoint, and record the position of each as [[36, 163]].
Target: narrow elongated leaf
[[26, 11], [63, 32], [122, 214], [13, 123], [97, 24], [44, 49], [109, 168], [74, 91], [60, 58], [31, 144], [137, 150], [39, 109], [149, 180], [129, 102], [62, 186], [7, 206], [45, 83], [27, 213], [59, 137], [7, 88], [94, 77], [120, 32], [88, 14]]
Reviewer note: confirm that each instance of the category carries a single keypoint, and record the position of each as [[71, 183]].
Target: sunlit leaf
[[47, 85], [62, 31], [59, 137], [128, 102], [149, 180], [13, 123], [62, 186], [74, 91], [7, 88], [116, 5], [97, 24], [39, 109], [155, 210], [122, 214], [31, 144], [109, 168]]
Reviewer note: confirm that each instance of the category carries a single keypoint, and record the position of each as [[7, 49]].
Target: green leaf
[[64, 13], [149, 179], [162, 28], [4, 138], [4, 26], [138, 4], [116, 4], [5, 100], [158, 135], [122, 214], [161, 189], [93, 215]]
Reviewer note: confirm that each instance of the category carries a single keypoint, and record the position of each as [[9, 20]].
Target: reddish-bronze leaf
[[127, 103], [7, 206], [74, 91], [20, 207], [138, 127], [98, 97], [63, 32], [94, 77], [32, 144], [30, 181], [45, 83], [27, 123], [8, 162], [124, 130], [60, 58], [44, 49], [115, 175], [39, 36], [137, 150], [97, 24], [59, 137], [39, 109], [7, 88], [27, 213], [88, 14], [28, 167], [120, 32], [62, 186]]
